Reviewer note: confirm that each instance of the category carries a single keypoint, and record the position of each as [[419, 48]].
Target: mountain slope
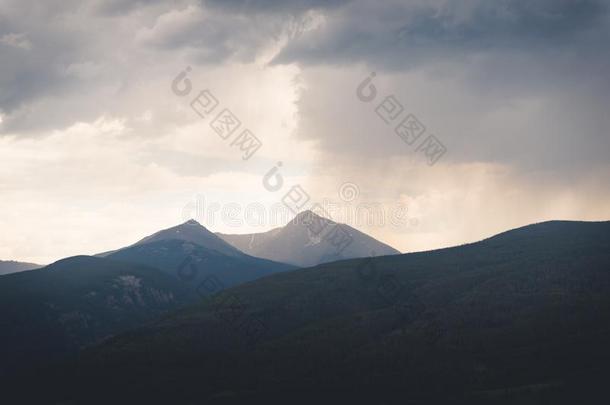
[[194, 264], [8, 267], [527, 308], [49, 313], [296, 244]]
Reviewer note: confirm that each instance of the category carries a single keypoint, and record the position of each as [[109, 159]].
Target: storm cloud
[[517, 92]]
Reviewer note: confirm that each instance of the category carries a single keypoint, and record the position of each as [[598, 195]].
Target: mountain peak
[[192, 222], [304, 214], [193, 232], [305, 217], [309, 239]]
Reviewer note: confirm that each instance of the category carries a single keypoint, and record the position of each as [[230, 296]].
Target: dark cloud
[[62, 60], [273, 6], [404, 34], [53, 82], [211, 37], [118, 7], [515, 22], [500, 50], [515, 82], [38, 70]]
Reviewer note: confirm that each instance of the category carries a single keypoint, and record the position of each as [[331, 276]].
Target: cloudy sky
[[101, 143]]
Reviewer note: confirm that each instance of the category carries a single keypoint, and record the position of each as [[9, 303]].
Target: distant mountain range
[[521, 317], [8, 267], [301, 244]]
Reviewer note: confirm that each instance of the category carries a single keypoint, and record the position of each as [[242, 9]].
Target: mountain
[[521, 317], [52, 312], [8, 267], [301, 244], [194, 264], [194, 255], [190, 231]]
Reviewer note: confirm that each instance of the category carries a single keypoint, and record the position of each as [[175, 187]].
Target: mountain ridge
[[12, 266]]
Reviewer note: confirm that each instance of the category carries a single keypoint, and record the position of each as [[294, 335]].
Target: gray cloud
[[274, 6], [79, 60], [118, 7], [520, 83], [210, 37], [467, 68], [515, 22], [554, 128], [403, 34]]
